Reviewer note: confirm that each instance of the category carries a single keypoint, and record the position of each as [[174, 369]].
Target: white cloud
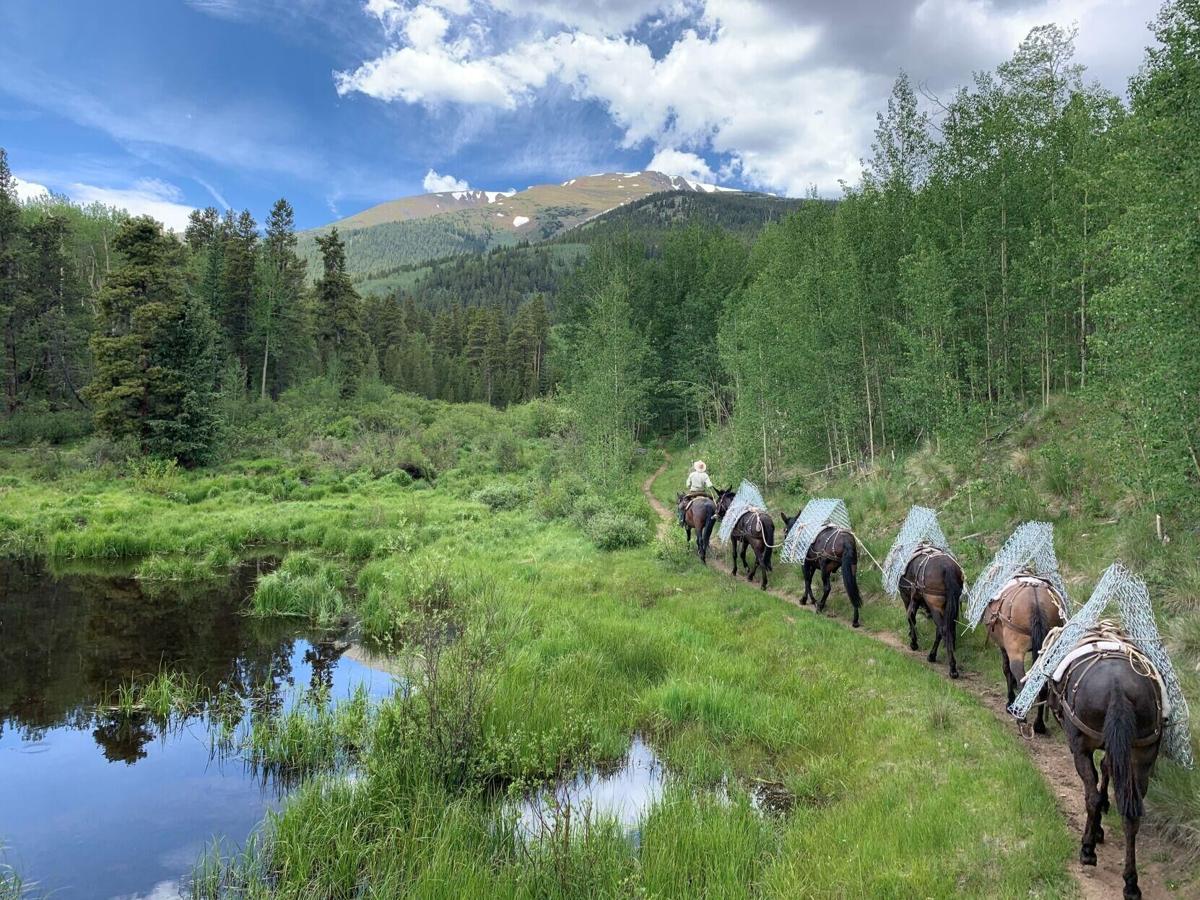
[[441, 184], [30, 190], [147, 197], [785, 94], [677, 162]]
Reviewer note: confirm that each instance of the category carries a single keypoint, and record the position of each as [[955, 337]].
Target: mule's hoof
[[1038, 727], [1132, 891], [1087, 856], [857, 624], [913, 646], [954, 673], [932, 657]]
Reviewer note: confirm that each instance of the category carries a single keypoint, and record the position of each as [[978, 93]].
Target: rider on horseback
[[698, 485]]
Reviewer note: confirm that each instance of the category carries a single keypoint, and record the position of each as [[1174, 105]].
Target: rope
[[758, 513], [863, 544]]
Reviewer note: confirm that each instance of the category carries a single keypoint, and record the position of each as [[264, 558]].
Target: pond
[[98, 804]]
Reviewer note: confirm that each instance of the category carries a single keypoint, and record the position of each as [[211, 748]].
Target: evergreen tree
[[279, 320], [156, 363], [342, 343], [11, 243]]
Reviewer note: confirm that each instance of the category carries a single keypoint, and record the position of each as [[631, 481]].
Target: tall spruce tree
[[155, 351], [280, 331], [341, 341]]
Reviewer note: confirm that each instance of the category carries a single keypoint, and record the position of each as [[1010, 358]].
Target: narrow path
[[1047, 752]]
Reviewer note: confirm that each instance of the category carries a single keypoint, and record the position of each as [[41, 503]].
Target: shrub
[[673, 550], [616, 531], [500, 496]]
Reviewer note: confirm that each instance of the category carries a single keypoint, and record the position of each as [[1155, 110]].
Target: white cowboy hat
[[699, 466]]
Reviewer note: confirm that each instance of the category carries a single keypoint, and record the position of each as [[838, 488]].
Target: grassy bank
[[1047, 468]]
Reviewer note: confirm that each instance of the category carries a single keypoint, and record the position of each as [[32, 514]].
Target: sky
[[161, 106]]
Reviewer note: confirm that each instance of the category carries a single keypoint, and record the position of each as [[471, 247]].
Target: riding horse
[[832, 549], [1018, 620], [699, 515], [933, 581], [1110, 700], [754, 529]]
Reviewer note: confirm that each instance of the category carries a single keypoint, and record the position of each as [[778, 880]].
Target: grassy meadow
[[540, 627]]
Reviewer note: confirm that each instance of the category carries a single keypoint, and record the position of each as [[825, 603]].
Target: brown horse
[[699, 515], [1018, 620], [1107, 701], [933, 581], [832, 549], [754, 529]]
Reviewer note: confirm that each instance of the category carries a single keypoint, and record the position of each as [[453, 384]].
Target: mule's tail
[[706, 530], [849, 577], [954, 589], [1037, 629], [1120, 729]]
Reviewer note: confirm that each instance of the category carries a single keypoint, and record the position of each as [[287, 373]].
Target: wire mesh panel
[[1118, 585], [920, 527], [816, 515], [1028, 550], [746, 499]]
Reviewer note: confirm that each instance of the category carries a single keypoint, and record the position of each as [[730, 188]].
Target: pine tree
[[279, 325], [239, 288], [156, 362], [342, 343], [11, 242]]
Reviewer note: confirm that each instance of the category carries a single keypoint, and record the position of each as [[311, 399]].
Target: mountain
[[430, 226]]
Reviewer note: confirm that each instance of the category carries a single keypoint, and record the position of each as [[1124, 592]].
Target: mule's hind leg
[[750, 568], [1008, 676], [1132, 891], [760, 559], [734, 543], [910, 606], [825, 588], [938, 619], [1086, 768], [809, 569]]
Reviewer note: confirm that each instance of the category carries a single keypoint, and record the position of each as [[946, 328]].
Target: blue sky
[[164, 105]]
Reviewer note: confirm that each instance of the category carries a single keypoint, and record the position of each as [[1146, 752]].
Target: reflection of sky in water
[[624, 793], [80, 826]]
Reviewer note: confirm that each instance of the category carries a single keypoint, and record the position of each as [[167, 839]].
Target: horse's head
[[725, 500], [788, 520]]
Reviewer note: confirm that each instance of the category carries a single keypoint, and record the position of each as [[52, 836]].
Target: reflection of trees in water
[[323, 656], [70, 642], [123, 738]]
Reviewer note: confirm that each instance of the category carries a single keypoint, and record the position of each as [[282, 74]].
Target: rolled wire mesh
[[816, 515], [1118, 585], [920, 527], [1028, 550], [746, 499]]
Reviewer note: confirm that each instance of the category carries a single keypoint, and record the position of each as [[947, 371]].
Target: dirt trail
[[1048, 753]]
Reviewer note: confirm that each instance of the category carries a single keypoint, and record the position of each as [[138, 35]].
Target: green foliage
[[501, 496], [617, 531], [156, 360], [304, 586]]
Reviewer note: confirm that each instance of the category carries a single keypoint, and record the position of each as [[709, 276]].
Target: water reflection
[[623, 792], [96, 802]]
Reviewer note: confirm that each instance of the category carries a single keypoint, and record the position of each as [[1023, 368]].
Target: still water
[[99, 805]]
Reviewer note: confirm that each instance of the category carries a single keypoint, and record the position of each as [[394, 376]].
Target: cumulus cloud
[[678, 162], [30, 190], [146, 197], [783, 94], [441, 184]]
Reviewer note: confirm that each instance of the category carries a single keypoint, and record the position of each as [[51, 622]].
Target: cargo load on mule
[[746, 524]]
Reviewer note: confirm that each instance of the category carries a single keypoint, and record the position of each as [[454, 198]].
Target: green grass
[[304, 587], [906, 786]]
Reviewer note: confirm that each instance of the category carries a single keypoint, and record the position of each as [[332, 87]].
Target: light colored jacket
[[698, 481]]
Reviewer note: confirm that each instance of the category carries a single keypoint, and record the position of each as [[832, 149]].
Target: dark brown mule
[[1018, 621], [1106, 702], [832, 549], [933, 581], [755, 530], [699, 515]]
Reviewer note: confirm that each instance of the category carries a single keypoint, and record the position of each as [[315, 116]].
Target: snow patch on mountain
[[518, 221]]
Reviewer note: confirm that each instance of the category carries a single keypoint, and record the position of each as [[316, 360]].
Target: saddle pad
[[1090, 647]]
